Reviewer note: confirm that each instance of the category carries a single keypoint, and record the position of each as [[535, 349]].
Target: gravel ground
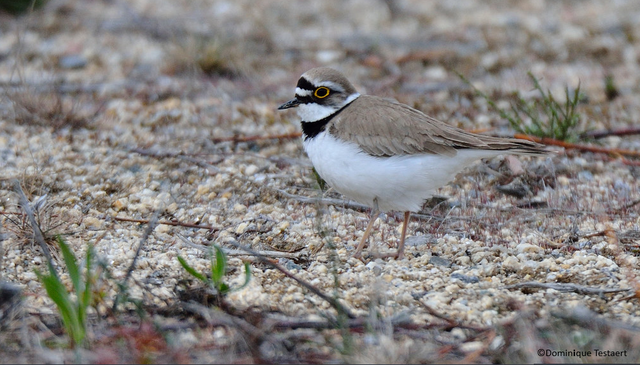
[[128, 109]]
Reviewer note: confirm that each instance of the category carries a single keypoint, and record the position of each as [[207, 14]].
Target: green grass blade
[[517, 125], [72, 266], [547, 117], [191, 270], [85, 300], [219, 268], [59, 295], [247, 275]]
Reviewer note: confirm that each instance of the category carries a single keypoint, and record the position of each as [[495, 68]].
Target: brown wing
[[383, 127]]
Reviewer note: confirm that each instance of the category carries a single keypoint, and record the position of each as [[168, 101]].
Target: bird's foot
[[369, 256]]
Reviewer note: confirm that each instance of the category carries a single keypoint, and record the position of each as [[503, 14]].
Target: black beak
[[290, 104]]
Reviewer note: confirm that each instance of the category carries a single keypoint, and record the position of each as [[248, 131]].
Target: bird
[[382, 153]]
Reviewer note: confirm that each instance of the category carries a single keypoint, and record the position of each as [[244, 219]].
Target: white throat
[[313, 112]]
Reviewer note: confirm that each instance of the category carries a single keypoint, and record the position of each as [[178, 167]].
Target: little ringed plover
[[382, 153]]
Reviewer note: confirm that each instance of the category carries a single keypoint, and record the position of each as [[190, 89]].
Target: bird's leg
[[375, 212], [400, 253]]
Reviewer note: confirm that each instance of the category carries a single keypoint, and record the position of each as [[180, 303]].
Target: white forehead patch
[[303, 92]]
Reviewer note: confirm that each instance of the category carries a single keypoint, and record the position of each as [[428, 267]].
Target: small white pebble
[[511, 263], [528, 248], [250, 170], [563, 180], [458, 333], [469, 347], [283, 226], [242, 227]]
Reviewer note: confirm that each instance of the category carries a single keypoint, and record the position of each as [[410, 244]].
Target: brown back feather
[[383, 127]]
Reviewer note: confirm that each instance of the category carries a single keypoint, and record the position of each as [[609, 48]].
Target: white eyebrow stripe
[[303, 92], [332, 85]]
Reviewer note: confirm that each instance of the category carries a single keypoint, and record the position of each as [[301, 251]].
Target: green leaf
[[219, 268], [72, 266], [59, 295], [319, 180], [85, 299], [191, 270], [247, 276]]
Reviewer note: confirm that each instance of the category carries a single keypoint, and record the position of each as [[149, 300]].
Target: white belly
[[400, 183]]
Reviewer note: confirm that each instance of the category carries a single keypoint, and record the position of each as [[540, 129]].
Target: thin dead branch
[[330, 201], [565, 287], [168, 223], [237, 139], [630, 205], [160, 155], [221, 318], [37, 233], [612, 132], [153, 223], [473, 356], [622, 259], [354, 323], [587, 318], [141, 221], [1, 250], [353, 205], [451, 323], [581, 147], [629, 162], [272, 254], [332, 301]]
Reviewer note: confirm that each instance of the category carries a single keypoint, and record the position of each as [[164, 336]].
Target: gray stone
[[72, 61], [465, 278], [439, 261]]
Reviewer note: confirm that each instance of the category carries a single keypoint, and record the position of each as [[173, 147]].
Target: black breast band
[[312, 129]]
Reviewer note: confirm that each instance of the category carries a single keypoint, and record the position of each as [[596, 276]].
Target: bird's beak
[[290, 104]]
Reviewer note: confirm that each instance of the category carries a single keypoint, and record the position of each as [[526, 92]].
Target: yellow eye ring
[[321, 92]]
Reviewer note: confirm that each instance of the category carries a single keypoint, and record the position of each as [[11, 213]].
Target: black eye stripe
[[304, 99], [304, 84]]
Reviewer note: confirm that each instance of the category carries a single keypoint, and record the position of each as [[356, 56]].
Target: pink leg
[[374, 216], [400, 253]]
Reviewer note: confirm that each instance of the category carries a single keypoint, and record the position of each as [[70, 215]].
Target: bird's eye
[[321, 92]]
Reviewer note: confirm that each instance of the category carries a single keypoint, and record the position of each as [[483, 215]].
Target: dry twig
[[451, 323], [585, 317], [237, 139], [168, 223], [1, 250], [565, 287], [330, 201], [153, 223], [273, 254], [581, 147], [353, 205], [204, 164], [37, 233], [612, 132], [354, 323], [333, 301], [621, 258]]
